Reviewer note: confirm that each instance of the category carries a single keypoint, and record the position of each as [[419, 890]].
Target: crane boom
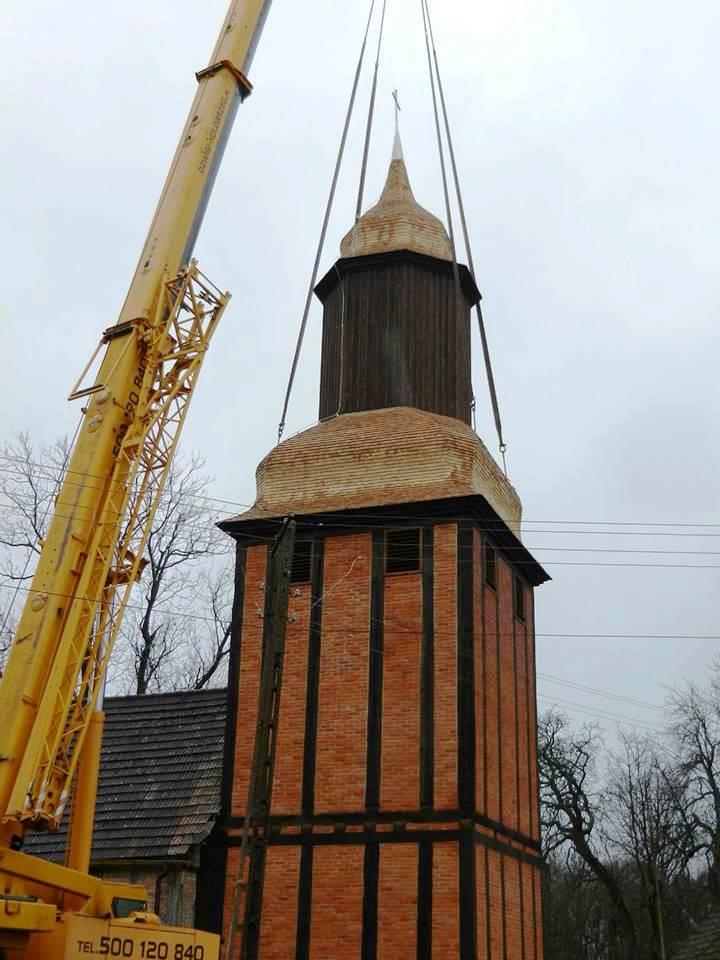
[[92, 554]]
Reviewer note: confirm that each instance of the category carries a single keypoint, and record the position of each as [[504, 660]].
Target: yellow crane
[[51, 693]]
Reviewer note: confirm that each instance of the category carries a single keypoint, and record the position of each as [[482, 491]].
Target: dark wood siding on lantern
[[395, 335]]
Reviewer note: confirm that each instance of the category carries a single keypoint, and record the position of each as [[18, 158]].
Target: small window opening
[[490, 567], [301, 562], [519, 594], [402, 551]]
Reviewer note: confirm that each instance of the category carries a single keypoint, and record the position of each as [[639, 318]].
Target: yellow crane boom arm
[[222, 85]]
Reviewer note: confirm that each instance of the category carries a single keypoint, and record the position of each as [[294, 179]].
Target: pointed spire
[[397, 221], [397, 153]]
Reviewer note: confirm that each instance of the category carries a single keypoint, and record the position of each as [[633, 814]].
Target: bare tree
[[572, 810], [578, 920], [694, 732], [29, 479], [646, 800], [173, 637], [207, 643], [176, 630]]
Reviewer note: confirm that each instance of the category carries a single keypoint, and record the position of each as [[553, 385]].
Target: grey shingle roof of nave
[[704, 943], [159, 777]]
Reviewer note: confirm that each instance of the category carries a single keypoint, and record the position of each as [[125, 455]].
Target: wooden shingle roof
[[160, 778], [397, 221], [378, 457], [704, 943]]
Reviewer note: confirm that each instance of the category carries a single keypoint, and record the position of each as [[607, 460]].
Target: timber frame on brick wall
[[471, 510], [477, 835]]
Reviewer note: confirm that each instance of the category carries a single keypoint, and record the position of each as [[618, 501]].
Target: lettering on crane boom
[[133, 400], [213, 132]]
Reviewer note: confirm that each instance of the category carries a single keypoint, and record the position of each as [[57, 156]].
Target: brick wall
[[344, 665], [400, 779], [251, 644], [412, 685], [336, 924]]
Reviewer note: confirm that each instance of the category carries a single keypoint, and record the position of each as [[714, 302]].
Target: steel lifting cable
[[371, 114], [326, 220], [463, 220], [446, 192]]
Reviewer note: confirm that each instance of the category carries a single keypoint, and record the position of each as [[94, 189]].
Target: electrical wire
[[598, 714], [14, 506], [534, 563], [389, 625], [45, 473], [438, 633], [549, 678], [584, 709], [337, 583], [409, 517]]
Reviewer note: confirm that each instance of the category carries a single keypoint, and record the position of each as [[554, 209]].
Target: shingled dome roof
[[397, 221], [379, 457]]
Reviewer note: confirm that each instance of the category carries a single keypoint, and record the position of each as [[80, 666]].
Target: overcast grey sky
[[588, 139]]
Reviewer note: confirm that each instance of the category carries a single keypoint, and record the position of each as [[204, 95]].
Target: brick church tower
[[405, 804]]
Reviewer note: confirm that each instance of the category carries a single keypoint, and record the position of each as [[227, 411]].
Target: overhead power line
[[70, 475], [438, 633], [14, 505], [599, 714], [598, 692], [44, 471], [585, 708]]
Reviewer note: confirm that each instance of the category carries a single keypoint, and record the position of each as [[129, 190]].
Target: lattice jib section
[[174, 346]]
